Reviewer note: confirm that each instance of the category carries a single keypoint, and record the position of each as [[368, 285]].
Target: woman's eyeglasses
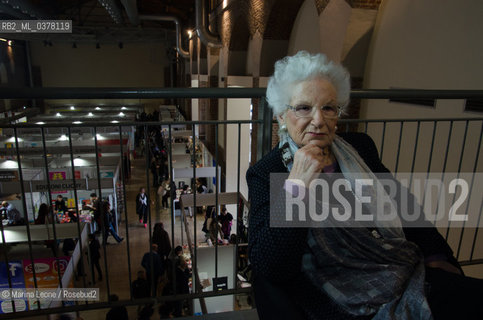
[[305, 111]]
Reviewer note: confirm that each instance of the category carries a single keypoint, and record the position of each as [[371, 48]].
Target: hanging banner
[[18, 282], [47, 275], [107, 174]]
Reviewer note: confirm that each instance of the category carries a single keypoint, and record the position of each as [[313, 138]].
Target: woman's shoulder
[[356, 138], [271, 162], [360, 141], [365, 146]]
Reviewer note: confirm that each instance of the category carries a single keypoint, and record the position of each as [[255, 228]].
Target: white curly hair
[[300, 67]]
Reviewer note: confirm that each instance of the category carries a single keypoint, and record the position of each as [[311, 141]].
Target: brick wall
[[280, 21], [320, 5], [366, 4]]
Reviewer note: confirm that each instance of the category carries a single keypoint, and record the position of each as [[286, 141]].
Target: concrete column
[[237, 109]]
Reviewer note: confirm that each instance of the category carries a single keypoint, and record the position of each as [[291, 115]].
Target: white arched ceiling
[[333, 28], [305, 32], [321, 33], [357, 40]]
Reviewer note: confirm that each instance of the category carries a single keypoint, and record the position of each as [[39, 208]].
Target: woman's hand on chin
[[309, 162]]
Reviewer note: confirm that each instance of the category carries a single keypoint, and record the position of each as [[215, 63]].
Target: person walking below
[[108, 227], [94, 206], [161, 239], [142, 207], [140, 289], [164, 193], [12, 214], [95, 255], [154, 170], [226, 220], [154, 271]]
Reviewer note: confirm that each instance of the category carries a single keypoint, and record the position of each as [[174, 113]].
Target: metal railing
[[376, 128]]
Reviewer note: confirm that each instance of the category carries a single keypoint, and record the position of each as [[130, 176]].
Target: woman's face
[[316, 129]]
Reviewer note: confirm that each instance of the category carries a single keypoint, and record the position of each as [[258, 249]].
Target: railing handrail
[[157, 92], [89, 124], [124, 124]]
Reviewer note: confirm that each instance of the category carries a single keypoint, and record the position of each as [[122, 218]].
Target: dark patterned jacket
[[282, 291]]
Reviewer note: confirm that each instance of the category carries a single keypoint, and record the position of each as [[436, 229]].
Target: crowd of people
[[165, 272]]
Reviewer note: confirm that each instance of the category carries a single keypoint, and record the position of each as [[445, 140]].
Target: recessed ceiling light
[[58, 114], [72, 108], [12, 139], [40, 122], [121, 114], [123, 108], [77, 122], [78, 162], [90, 114], [114, 121], [98, 108]]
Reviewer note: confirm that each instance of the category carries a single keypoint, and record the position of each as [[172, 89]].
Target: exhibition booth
[[39, 185], [207, 276]]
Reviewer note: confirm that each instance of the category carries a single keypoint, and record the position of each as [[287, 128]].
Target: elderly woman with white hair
[[383, 272]]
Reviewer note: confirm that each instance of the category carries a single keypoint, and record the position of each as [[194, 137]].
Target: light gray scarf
[[365, 272]]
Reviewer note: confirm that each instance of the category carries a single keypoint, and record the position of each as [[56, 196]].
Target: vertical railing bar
[[100, 204], [195, 239], [264, 140], [457, 177], [4, 243], [435, 125], [474, 170], [382, 140], [9, 276], [149, 154], [476, 233], [123, 183], [237, 208], [216, 203], [447, 146], [44, 146], [366, 126], [76, 207], [29, 237], [444, 167], [398, 149], [170, 176], [414, 155], [267, 126], [171, 207]]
